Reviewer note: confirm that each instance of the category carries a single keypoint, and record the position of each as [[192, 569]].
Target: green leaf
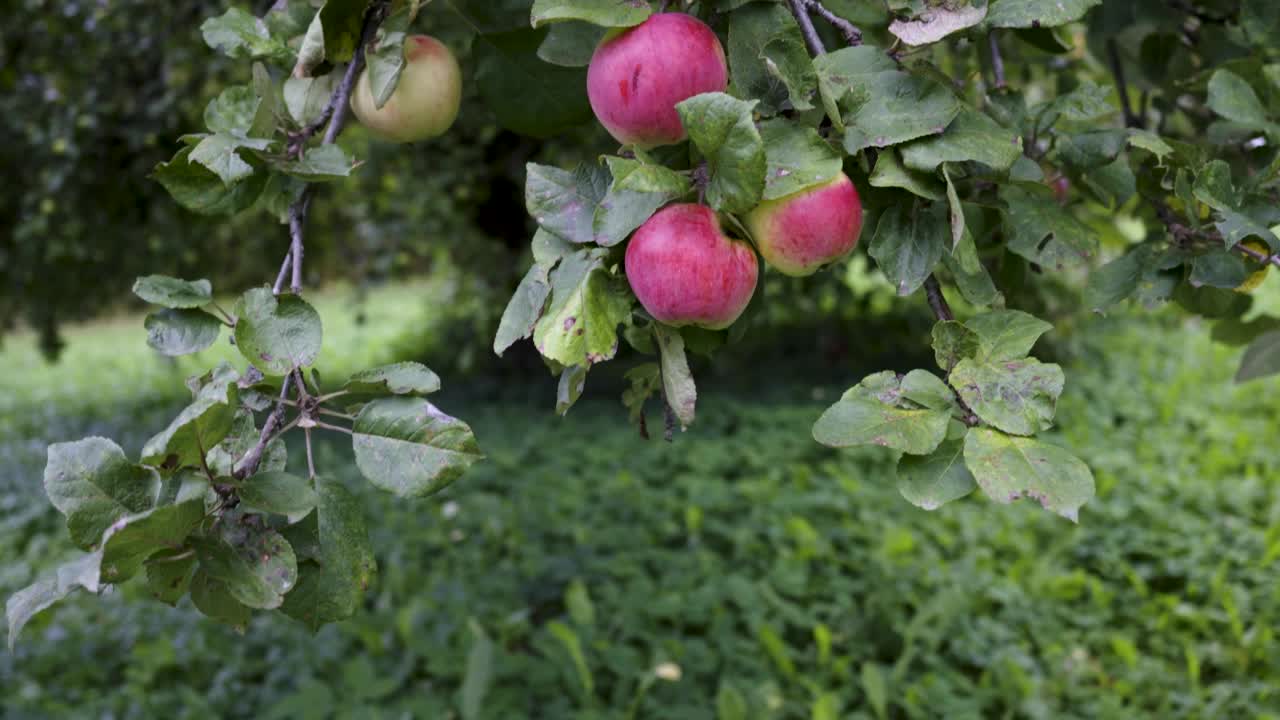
[[1088, 101], [340, 565], [131, 540], [220, 154], [201, 425], [93, 484], [1116, 281], [1037, 13], [385, 63], [238, 34], [1260, 21], [1234, 99], [341, 21], [873, 412], [319, 164], [403, 378], [573, 380], [564, 202], [233, 111], [620, 211], [722, 129], [606, 13], [29, 601], [768, 59], [1220, 269], [797, 158], [173, 293], [645, 380], [277, 334], [927, 390], [908, 244], [1006, 334], [181, 332], [935, 23], [952, 342], [1017, 396], [1150, 142], [889, 173], [169, 574], [642, 177], [406, 446], [479, 673], [199, 190], [895, 107], [213, 598], [677, 381], [524, 308], [972, 137], [255, 564], [1009, 468], [1034, 215], [933, 480], [1213, 187], [306, 98], [279, 493], [1262, 359], [970, 275], [528, 96], [570, 44], [840, 72], [580, 326]]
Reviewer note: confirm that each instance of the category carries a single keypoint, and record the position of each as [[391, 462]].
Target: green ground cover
[[742, 572]]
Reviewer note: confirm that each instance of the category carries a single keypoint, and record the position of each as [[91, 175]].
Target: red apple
[[638, 75], [801, 232], [686, 271], [425, 101]]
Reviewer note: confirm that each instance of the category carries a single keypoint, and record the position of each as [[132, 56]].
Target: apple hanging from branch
[[638, 75], [686, 271], [425, 102], [801, 232]]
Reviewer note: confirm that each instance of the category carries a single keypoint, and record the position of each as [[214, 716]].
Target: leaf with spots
[[878, 411], [1044, 232], [1009, 468], [169, 574], [797, 157], [254, 563], [588, 303], [724, 132], [407, 446], [277, 334], [1006, 334], [1017, 396]]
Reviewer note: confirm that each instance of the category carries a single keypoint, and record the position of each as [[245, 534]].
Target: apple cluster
[[682, 265]]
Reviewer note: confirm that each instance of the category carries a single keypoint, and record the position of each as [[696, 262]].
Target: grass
[[741, 572]]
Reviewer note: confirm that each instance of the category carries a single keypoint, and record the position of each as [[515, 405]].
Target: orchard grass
[[579, 566]]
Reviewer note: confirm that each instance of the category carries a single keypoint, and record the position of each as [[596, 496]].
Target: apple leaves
[[973, 430]]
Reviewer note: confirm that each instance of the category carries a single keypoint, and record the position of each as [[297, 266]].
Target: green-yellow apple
[[425, 101], [638, 75], [686, 271], [801, 232]]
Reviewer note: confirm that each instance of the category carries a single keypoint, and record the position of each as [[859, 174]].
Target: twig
[[1122, 87], [335, 113], [335, 428], [799, 9], [284, 272], [1259, 256], [938, 303], [311, 463], [852, 35], [997, 60], [1184, 235], [253, 458]]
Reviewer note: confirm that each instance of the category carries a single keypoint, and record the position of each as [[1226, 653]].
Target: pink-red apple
[[638, 75], [686, 271], [425, 101], [801, 232]]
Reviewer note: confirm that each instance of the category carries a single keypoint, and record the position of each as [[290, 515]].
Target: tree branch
[[937, 302], [253, 458], [852, 35], [1184, 235], [799, 9], [1122, 87], [335, 114], [997, 60]]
